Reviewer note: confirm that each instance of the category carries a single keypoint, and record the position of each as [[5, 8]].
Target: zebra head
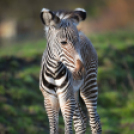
[[63, 38]]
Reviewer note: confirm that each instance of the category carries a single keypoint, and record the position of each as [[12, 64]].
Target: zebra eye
[[63, 42]]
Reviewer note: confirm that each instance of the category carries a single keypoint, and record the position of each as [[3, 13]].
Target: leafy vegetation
[[21, 101]]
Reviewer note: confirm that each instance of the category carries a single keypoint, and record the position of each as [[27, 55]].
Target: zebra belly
[[77, 84]]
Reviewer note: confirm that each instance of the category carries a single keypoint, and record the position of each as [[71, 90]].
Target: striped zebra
[[69, 67]]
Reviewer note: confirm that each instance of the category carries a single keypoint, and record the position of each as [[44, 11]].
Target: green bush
[[22, 103]]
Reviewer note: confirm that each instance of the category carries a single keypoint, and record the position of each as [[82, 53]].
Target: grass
[[21, 101], [24, 50]]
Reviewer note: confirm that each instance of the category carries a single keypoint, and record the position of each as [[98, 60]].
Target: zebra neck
[[55, 72], [52, 64]]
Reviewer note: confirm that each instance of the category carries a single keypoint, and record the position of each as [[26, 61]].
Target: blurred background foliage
[[110, 27]]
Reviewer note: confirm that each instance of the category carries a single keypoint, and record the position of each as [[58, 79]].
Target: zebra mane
[[64, 14], [78, 15]]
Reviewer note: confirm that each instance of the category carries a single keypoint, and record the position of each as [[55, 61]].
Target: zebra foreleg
[[52, 108], [67, 105], [79, 118]]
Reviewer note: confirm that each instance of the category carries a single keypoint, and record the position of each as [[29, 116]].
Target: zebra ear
[[49, 18], [79, 14]]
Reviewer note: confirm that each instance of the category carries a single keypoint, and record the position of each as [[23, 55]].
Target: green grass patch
[[22, 103]]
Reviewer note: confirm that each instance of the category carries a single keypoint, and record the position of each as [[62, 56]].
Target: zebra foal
[[69, 66]]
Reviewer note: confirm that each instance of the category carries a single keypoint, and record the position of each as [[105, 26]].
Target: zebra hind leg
[[92, 112], [89, 94], [52, 108]]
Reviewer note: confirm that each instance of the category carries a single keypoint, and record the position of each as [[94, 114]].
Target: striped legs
[[79, 118], [92, 111], [89, 94], [67, 104], [52, 109]]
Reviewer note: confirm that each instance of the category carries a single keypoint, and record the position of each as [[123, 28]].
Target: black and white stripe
[[61, 65]]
